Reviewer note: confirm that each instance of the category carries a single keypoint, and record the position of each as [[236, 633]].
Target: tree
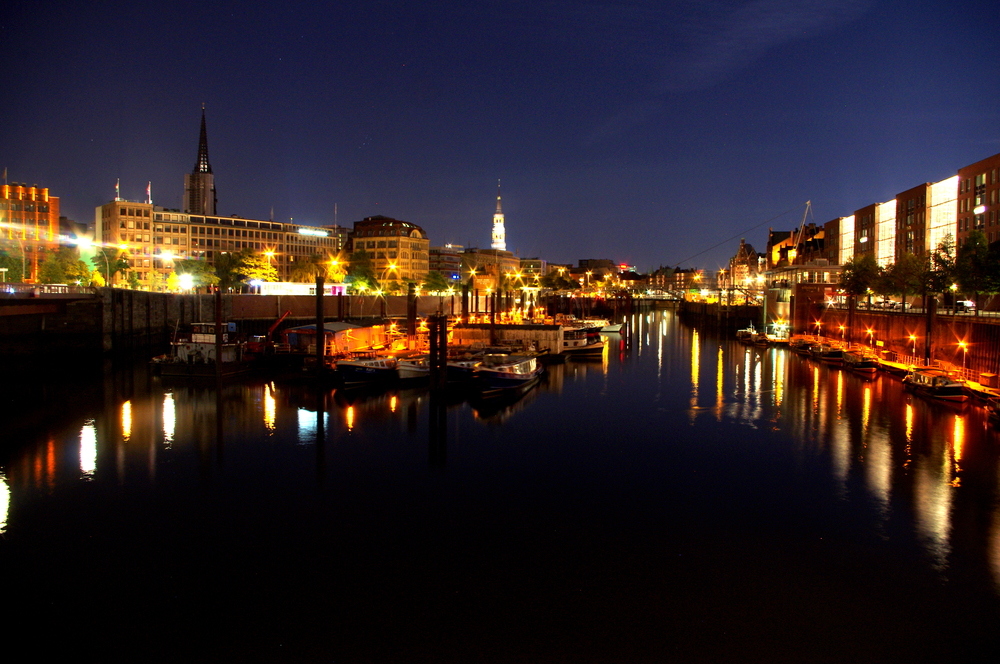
[[435, 282], [201, 273], [906, 276], [252, 266], [307, 270], [859, 275], [361, 275], [11, 260], [51, 270], [976, 267], [110, 258], [556, 281], [942, 266]]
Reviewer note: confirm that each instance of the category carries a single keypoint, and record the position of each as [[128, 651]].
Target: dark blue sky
[[643, 132]]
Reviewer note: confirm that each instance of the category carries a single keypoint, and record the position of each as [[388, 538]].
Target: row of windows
[[41, 208], [133, 212]]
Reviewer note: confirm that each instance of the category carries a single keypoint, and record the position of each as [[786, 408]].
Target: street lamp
[[965, 352], [913, 342]]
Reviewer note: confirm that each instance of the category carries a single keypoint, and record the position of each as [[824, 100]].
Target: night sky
[[650, 133]]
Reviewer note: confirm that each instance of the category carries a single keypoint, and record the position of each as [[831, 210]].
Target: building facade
[[398, 249], [151, 238], [29, 226], [979, 199]]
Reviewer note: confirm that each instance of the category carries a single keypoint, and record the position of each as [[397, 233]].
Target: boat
[[612, 328], [827, 353], [935, 382], [746, 335], [582, 341], [802, 345], [462, 369], [861, 361], [500, 374], [414, 368], [363, 368], [194, 351]]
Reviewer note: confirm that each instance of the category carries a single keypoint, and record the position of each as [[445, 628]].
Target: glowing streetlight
[[965, 352], [913, 342]]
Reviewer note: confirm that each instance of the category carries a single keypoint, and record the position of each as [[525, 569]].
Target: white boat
[[582, 340], [364, 368], [414, 368], [502, 373]]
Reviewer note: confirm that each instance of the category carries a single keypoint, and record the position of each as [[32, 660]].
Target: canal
[[681, 498]]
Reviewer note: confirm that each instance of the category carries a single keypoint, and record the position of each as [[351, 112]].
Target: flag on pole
[[118, 190], [149, 193]]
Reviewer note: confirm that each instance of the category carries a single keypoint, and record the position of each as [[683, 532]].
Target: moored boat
[[501, 373], [827, 353], [364, 368], [582, 341], [413, 368], [195, 353], [936, 383], [860, 361]]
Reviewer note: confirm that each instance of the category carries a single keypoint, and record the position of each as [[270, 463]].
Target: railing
[[40, 290]]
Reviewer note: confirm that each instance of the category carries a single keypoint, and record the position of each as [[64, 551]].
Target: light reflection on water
[[895, 468]]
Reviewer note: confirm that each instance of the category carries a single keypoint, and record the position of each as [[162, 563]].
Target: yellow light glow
[[350, 418], [126, 418]]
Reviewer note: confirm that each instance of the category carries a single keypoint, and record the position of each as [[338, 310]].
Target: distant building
[[499, 231], [448, 261], [399, 250], [29, 226], [151, 238], [199, 184], [489, 266]]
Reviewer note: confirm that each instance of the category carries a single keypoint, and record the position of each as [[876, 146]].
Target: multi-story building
[[151, 238], [925, 216], [978, 206], [399, 250], [447, 260], [489, 266], [29, 225]]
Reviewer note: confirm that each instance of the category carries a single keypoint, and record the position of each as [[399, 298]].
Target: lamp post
[[965, 352], [913, 343]]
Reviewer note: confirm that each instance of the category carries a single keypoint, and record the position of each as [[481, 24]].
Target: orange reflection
[[392, 403], [958, 445], [126, 421], [270, 408], [350, 418]]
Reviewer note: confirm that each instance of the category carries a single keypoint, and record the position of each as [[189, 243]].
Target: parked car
[[965, 305]]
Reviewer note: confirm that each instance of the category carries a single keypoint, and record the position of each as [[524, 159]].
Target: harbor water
[[679, 498]]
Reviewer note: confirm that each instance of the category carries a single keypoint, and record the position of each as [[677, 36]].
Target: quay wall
[[542, 337], [117, 322]]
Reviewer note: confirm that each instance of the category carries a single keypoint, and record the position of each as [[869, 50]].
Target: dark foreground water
[[682, 499]]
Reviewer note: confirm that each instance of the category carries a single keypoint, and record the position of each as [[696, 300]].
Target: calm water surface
[[683, 498]]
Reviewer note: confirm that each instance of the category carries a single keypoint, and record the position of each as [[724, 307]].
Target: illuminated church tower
[[499, 234], [199, 185]]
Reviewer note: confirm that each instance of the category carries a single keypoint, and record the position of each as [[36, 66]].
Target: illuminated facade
[[399, 250], [979, 199], [29, 225], [151, 238], [499, 232]]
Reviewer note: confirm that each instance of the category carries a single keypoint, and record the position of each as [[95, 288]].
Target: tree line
[[972, 269]]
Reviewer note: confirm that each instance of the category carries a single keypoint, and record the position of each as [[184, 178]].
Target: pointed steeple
[[202, 165], [499, 232], [199, 185]]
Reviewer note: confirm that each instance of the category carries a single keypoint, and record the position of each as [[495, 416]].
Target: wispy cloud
[[719, 39]]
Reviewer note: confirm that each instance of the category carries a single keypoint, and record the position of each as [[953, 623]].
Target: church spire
[[202, 165], [199, 185], [499, 233]]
